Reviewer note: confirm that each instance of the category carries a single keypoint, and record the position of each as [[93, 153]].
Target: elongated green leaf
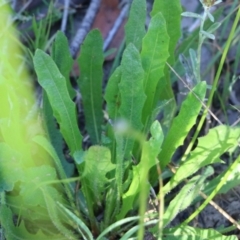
[[55, 86], [154, 55], [193, 58], [181, 126], [193, 233], [186, 196], [134, 229], [210, 147], [135, 27], [43, 142], [112, 95], [116, 225], [55, 216], [214, 27], [132, 92], [119, 172], [62, 57], [150, 151], [171, 11], [232, 182], [90, 83], [182, 123], [113, 99], [55, 135]]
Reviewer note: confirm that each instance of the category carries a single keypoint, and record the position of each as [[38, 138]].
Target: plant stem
[[200, 43], [215, 83]]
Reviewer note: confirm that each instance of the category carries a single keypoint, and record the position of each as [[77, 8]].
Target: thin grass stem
[[215, 83]]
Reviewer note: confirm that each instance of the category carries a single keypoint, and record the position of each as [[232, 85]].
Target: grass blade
[[116, 225], [78, 221]]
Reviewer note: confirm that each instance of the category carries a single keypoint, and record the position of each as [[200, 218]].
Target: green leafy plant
[[130, 150]]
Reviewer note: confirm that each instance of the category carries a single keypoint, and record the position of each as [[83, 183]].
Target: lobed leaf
[[193, 233], [55, 86], [135, 27], [210, 147], [62, 57], [112, 95], [182, 123], [185, 197], [97, 163], [171, 11], [90, 83], [154, 56], [232, 181]]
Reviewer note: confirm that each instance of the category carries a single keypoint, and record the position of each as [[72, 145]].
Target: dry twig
[[65, 15], [116, 26], [85, 27]]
